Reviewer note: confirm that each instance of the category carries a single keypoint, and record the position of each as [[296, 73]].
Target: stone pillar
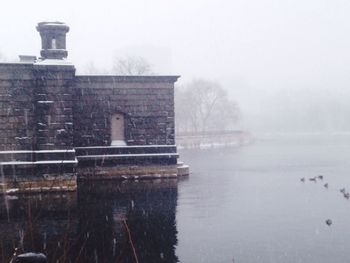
[[53, 103], [40, 118], [53, 40]]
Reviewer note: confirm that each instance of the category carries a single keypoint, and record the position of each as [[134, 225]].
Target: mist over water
[[249, 204], [286, 64]]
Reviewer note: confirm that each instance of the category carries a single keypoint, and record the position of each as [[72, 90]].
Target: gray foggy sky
[[253, 47]]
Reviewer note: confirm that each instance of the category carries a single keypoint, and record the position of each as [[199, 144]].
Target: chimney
[[53, 40]]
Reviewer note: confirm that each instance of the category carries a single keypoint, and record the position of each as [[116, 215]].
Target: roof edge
[[127, 78]]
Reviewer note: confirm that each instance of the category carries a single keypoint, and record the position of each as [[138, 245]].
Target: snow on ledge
[[54, 62], [38, 151], [107, 156], [128, 146], [40, 162]]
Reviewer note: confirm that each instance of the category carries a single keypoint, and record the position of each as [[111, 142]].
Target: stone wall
[[147, 103], [46, 112], [53, 100], [40, 104], [17, 113], [36, 127], [36, 107]]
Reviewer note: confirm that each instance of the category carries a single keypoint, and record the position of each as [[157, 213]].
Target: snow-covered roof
[[55, 62]]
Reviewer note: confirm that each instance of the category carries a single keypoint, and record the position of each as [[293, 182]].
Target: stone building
[[57, 127]]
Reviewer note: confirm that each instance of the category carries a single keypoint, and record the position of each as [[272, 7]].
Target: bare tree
[[91, 69], [131, 65], [203, 106]]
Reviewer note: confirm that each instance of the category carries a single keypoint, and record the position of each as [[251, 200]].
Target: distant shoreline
[[204, 140]]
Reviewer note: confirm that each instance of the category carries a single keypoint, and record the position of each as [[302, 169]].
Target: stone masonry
[[146, 102], [56, 126]]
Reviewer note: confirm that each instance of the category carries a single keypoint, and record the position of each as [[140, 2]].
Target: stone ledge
[[25, 157], [122, 156], [128, 172], [130, 149], [183, 170], [39, 186]]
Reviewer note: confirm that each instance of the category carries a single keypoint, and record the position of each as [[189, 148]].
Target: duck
[[329, 222], [326, 185], [312, 179], [320, 177]]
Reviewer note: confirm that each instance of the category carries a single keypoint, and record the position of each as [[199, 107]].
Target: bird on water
[[312, 179], [329, 222]]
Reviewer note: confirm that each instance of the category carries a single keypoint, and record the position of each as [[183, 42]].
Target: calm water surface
[[238, 205], [249, 205]]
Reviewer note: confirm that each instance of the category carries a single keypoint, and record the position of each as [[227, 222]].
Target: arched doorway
[[117, 129]]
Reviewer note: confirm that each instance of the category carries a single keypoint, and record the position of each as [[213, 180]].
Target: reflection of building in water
[[91, 228], [36, 223]]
